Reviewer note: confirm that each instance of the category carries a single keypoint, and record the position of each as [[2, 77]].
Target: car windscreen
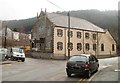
[[78, 58], [19, 50]]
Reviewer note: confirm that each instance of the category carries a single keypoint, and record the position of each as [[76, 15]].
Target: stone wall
[[37, 54]]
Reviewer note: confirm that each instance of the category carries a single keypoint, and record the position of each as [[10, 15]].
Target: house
[[50, 34], [13, 38]]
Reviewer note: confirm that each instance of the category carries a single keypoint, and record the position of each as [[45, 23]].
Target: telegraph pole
[[68, 35], [5, 37], [118, 33]]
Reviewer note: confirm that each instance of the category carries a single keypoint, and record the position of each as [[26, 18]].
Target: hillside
[[104, 19]]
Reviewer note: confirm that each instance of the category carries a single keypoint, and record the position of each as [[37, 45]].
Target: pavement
[[110, 74]]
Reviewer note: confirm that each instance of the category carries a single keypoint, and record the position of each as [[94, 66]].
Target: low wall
[[37, 54]]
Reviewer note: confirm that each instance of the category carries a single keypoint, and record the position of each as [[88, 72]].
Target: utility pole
[[68, 35], [118, 33], [97, 50], [5, 37]]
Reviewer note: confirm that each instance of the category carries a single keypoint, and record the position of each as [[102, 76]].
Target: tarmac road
[[54, 70]]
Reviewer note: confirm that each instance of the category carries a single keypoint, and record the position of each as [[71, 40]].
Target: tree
[[15, 29]]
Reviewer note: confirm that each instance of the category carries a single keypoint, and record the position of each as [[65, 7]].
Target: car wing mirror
[[96, 60]]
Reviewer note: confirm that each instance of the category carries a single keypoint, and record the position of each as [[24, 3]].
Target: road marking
[[7, 64], [81, 80], [117, 70]]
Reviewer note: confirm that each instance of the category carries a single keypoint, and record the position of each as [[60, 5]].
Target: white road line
[[117, 70]]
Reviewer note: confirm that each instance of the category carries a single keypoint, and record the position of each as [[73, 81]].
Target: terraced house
[[50, 34]]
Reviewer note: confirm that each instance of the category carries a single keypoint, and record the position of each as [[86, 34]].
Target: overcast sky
[[22, 9]]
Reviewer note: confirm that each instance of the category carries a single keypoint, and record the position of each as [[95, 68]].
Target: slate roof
[[61, 20]]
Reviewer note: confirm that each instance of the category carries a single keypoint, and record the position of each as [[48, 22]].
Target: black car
[[82, 64]]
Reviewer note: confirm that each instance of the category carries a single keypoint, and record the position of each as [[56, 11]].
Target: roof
[[61, 20]]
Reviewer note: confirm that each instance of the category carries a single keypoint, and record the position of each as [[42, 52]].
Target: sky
[[23, 9]]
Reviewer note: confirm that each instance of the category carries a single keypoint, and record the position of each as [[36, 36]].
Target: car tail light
[[86, 66]]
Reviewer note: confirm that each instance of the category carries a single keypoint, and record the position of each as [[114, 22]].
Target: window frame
[[102, 47], [79, 34], [79, 47], [94, 36], [94, 47], [87, 46], [59, 32], [113, 47], [70, 34], [87, 35], [70, 46], [59, 45]]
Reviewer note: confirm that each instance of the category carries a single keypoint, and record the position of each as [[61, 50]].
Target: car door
[[92, 63], [96, 64]]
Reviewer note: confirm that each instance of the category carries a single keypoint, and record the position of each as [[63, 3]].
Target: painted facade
[[50, 34]]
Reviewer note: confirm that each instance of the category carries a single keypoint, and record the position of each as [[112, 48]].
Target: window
[[91, 58], [70, 46], [59, 32], [95, 59], [78, 58], [70, 34], [79, 46], [87, 46], [94, 36], [94, 47], [102, 47], [113, 47], [59, 45], [87, 35], [78, 34]]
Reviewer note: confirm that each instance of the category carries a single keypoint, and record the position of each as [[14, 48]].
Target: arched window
[[70, 34], [94, 47], [79, 35], [59, 45], [79, 46], [70, 46], [59, 32], [87, 35], [102, 47], [113, 47], [87, 46]]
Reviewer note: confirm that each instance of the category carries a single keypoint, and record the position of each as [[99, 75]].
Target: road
[[54, 70]]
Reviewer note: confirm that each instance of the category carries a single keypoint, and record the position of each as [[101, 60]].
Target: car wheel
[[88, 74], [68, 73], [12, 58], [6, 57], [97, 68], [23, 60]]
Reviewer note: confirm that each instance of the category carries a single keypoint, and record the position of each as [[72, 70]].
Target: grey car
[[84, 64]]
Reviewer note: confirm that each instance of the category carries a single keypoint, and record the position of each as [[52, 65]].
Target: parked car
[[3, 53], [84, 64], [16, 53]]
